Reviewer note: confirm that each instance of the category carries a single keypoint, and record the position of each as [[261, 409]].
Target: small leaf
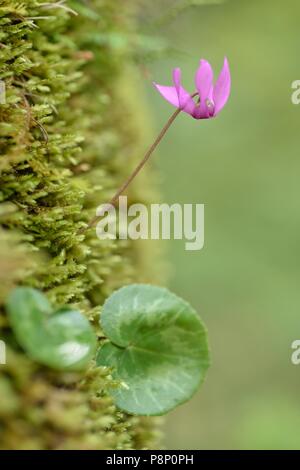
[[158, 349], [63, 340]]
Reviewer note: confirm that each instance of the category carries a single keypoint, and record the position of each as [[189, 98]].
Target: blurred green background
[[244, 166]]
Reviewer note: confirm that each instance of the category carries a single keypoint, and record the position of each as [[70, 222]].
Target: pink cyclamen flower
[[211, 97]]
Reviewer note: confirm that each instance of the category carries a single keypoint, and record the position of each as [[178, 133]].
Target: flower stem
[[136, 171]]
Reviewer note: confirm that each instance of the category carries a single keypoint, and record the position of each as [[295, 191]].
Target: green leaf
[[158, 349], [62, 340]]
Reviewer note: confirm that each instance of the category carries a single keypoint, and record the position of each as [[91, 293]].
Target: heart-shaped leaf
[[158, 349], [63, 339]]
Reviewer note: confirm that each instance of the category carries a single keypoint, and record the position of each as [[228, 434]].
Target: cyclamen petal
[[177, 95], [186, 103], [222, 88], [204, 80], [169, 93], [204, 83]]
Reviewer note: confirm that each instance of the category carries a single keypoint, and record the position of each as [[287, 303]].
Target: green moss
[[67, 136]]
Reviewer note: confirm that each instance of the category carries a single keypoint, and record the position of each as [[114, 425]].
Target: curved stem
[[146, 157], [136, 171]]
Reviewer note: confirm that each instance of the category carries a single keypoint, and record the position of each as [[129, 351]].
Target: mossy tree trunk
[[67, 138]]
